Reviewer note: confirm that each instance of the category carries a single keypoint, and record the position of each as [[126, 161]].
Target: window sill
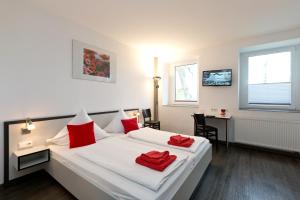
[[270, 110]]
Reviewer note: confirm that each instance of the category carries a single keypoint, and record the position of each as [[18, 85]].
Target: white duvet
[[162, 138], [122, 161]]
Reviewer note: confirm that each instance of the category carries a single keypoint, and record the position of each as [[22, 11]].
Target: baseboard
[[262, 148], [267, 149]]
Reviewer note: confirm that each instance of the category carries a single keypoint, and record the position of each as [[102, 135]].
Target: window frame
[[243, 76], [184, 101], [172, 88]]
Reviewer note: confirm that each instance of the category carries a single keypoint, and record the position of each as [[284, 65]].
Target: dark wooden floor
[[38, 186], [237, 174], [245, 174]]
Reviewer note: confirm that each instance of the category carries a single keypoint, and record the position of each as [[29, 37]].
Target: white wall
[[36, 69], [224, 56]]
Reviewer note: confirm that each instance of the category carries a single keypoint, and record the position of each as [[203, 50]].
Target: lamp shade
[[29, 126]]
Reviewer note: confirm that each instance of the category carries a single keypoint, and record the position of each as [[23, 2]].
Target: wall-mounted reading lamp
[[29, 126], [137, 115]]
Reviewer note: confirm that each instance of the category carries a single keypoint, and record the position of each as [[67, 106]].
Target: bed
[[86, 180]]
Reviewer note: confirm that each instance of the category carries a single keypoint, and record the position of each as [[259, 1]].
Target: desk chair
[[201, 129], [148, 122]]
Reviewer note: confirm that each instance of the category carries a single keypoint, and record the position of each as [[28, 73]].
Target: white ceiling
[[182, 24]]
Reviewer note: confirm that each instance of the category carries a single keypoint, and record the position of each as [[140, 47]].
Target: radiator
[[278, 134]]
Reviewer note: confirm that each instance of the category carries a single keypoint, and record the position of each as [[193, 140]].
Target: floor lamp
[[156, 79]]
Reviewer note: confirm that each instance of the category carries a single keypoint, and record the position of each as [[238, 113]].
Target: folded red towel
[[159, 167], [187, 143], [179, 139], [156, 154], [155, 157]]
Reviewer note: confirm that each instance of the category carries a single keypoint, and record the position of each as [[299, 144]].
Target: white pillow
[[122, 132], [62, 137], [116, 126]]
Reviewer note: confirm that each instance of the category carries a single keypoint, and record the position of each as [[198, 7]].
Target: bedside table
[[26, 158]]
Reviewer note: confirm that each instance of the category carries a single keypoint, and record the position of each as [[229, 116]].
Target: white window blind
[[269, 79]]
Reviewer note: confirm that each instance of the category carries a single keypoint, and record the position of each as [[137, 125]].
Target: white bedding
[[122, 161], [120, 187], [162, 137]]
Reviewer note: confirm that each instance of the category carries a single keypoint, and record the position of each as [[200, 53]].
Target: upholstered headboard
[[46, 127]]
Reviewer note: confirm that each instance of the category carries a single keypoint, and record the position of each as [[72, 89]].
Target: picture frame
[[93, 63]]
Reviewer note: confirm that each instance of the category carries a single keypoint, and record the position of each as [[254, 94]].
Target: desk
[[221, 117]]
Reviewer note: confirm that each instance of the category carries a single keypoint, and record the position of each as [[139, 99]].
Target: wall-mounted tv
[[217, 77]]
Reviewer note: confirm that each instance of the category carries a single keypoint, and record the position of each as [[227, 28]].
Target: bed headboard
[[46, 127]]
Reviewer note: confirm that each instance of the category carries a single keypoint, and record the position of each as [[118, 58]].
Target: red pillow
[[81, 135], [130, 124]]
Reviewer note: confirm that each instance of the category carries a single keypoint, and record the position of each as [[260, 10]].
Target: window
[[186, 83], [269, 78]]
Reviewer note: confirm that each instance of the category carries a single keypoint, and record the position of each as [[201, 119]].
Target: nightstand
[[26, 158]]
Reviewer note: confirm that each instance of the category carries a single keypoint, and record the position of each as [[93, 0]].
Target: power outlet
[[25, 144], [214, 109]]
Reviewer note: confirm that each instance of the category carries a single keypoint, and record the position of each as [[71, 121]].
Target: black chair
[[201, 129], [148, 122]]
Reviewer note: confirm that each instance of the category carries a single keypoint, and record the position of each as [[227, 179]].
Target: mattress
[[119, 187]]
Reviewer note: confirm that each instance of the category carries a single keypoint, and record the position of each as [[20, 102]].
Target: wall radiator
[[278, 134]]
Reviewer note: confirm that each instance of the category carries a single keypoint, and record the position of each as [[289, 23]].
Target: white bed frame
[[83, 189], [74, 183]]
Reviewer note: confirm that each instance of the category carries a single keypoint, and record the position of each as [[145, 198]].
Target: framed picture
[[93, 63]]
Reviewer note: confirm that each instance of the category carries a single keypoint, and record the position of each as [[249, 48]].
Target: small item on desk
[[156, 160], [181, 141], [223, 112]]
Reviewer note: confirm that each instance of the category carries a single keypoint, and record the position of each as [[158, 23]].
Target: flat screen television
[[217, 77]]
